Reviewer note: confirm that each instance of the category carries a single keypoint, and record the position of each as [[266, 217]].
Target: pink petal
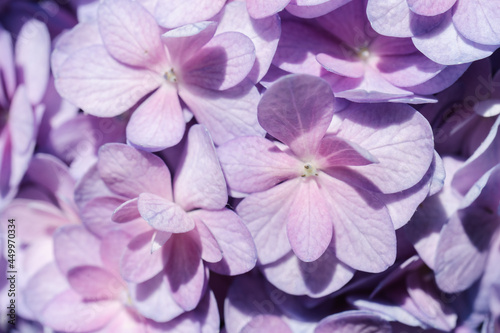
[[254, 164], [334, 150], [138, 263], [185, 271], [309, 224], [364, 236], [222, 63], [261, 8], [315, 279], [267, 223], [153, 299], [95, 283], [164, 215], [158, 123], [199, 182], [478, 21], [175, 13], [8, 66], [74, 246], [101, 86], [69, 312], [234, 240], [430, 7], [297, 110], [91, 186], [130, 172], [264, 34], [131, 34], [227, 114], [413, 136], [210, 249], [32, 57]]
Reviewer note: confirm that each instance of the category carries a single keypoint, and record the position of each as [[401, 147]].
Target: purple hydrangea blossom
[[360, 64], [325, 189], [179, 230], [88, 294], [207, 72], [449, 32]]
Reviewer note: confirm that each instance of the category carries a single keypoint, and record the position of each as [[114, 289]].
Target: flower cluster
[[250, 166]]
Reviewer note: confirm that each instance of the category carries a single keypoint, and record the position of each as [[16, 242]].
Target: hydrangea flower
[[337, 193], [360, 64], [143, 67], [88, 294], [449, 32], [179, 230]]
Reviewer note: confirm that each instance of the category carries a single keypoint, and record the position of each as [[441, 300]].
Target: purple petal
[[335, 151], [184, 42], [112, 247], [138, 263], [353, 322], [430, 7], [185, 271], [91, 186], [101, 86], [262, 8], [210, 249], [130, 172], [69, 312], [478, 21], [267, 223], [222, 63], [74, 246], [315, 279], [378, 135], [463, 248], [158, 123], [95, 283], [264, 34], [175, 13], [354, 68], [131, 34], [297, 110], [199, 182], [234, 240], [227, 114], [126, 211], [260, 323], [309, 226], [153, 299], [254, 164], [32, 58], [318, 9], [163, 214], [364, 236], [445, 45]]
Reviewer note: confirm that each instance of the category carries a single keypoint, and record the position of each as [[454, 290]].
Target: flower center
[[309, 170], [170, 76], [364, 53]]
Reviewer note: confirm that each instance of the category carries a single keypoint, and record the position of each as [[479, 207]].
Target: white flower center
[[170, 76], [309, 170], [364, 53]]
